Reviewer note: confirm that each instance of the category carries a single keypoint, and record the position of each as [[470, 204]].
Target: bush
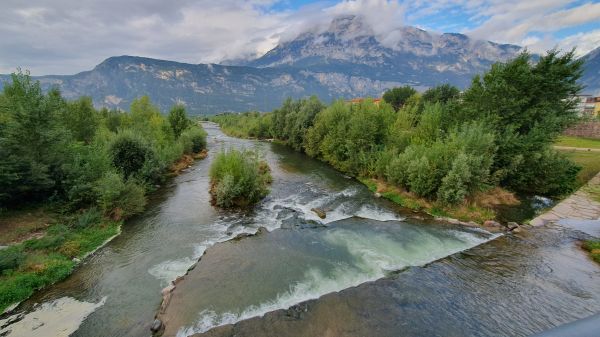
[[88, 218], [119, 199], [193, 140], [10, 259], [454, 185], [129, 153], [238, 178]]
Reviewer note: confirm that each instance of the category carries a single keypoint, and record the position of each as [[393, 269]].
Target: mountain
[[204, 88], [408, 54], [347, 59], [591, 72]]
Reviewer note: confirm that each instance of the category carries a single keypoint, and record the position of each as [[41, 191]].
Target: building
[[376, 101], [587, 105]]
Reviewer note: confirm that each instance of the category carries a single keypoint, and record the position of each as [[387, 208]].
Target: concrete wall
[[586, 129]]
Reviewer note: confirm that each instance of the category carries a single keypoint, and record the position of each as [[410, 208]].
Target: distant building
[[377, 101], [587, 105]]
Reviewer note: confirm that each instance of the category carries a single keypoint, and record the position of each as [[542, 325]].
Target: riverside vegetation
[[92, 167], [448, 153], [238, 178]]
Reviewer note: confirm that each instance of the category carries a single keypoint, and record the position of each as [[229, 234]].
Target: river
[[369, 268]]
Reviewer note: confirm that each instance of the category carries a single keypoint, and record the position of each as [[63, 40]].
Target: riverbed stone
[[492, 223], [320, 212], [168, 289], [377, 195], [156, 325], [512, 225]]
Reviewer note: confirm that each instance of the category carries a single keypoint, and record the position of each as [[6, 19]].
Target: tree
[[178, 120], [398, 96], [527, 105], [441, 94], [129, 153], [31, 139], [81, 119]]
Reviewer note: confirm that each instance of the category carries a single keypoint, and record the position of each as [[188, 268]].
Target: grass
[[589, 162], [469, 211], [594, 192], [22, 224], [589, 143], [38, 262], [593, 247]]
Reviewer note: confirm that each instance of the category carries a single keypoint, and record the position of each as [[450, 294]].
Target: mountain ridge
[[344, 60]]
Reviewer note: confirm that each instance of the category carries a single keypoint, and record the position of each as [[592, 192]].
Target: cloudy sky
[[68, 36]]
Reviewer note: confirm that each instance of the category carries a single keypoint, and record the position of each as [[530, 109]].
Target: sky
[[66, 36]]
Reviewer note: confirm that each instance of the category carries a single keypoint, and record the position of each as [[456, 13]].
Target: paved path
[[576, 148], [578, 206]]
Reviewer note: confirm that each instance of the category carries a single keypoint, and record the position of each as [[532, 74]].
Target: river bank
[[55, 249], [362, 245]]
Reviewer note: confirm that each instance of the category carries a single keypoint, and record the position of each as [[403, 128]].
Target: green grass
[[589, 162], [578, 142], [39, 262], [594, 192], [467, 212], [593, 247]]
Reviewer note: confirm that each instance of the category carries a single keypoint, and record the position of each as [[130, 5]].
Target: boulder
[[516, 230], [377, 195], [492, 223], [512, 225], [156, 325], [321, 213]]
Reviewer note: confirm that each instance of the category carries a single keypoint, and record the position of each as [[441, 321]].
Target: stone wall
[[589, 129]]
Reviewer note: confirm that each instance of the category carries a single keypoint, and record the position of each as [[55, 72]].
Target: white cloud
[[62, 36]]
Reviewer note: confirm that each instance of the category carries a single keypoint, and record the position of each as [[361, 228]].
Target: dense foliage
[[71, 152], [443, 145], [238, 178], [95, 166], [396, 97]]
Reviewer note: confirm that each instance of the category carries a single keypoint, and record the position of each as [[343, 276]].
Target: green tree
[[527, 105], [178, 120], [398, 96], [31, 140], [129, 153], [81, 119], [441, 94]]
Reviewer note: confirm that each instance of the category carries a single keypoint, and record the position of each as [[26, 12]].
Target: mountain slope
[[343, 61], [591, 73], [204, 88], [408, 54]]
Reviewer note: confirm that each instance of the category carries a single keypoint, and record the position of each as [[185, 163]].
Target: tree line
[[52, 149], [443, 145]]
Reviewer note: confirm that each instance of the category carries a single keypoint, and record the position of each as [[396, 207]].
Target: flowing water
[[366, 269]]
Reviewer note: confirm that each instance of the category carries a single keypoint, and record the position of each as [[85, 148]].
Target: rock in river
[[321, 213]]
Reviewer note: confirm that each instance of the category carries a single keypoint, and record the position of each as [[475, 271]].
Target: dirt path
[[567, 148]]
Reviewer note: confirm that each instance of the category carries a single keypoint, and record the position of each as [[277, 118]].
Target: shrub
[[454, 185], [238, 178], [10, 259], [193, 140], [119, 199], [178, 120], [129, 153], [88, 218]]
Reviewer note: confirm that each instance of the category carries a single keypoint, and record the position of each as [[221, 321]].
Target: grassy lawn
[[48, 258], [593, 247], [590, 163], [578, 142]]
